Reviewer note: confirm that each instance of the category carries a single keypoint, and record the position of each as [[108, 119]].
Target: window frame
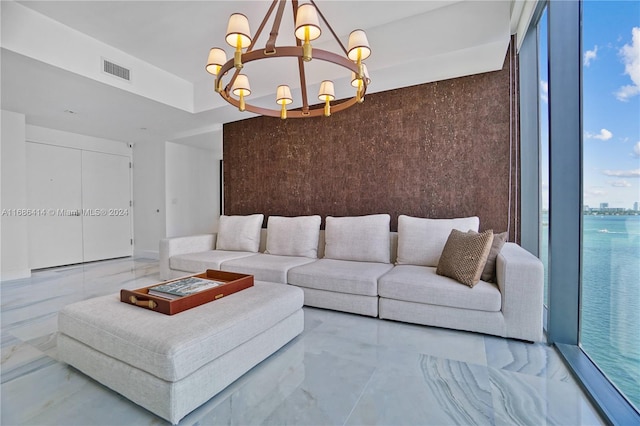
[[565, 194]]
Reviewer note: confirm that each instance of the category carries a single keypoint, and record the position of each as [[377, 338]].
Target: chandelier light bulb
[[215, 61], [358, 49], [355, 77], [357, 81], [284, 98], [327, 94], [307, 24], [238, 36], [241, 89], [307, 28]]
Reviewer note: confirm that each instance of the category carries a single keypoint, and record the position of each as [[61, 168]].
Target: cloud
[[622, 173], [630, 55], [604, 135], [544, 91], [619, 183], [590, 55], [636, 150], [625, 92], [594, 191]]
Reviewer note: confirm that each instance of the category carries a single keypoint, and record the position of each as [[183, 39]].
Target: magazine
[[183, 287]]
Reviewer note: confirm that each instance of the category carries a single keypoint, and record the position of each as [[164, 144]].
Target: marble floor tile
[[38, 326], [46, 344], [537, 359], [446, 393], [61, 395], [343, 369], [452, 344], [20, 359], [458, 345], [329, 390], [523, 399]]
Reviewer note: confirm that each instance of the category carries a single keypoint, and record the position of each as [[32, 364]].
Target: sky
[[611, 103]]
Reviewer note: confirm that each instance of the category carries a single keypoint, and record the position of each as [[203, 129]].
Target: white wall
[[163, 172], [15, 229], [14, 234], [149, 217], [176, 190], [31, 34], [192, 190], [74, 140]]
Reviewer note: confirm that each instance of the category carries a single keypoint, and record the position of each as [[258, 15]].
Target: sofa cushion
[[359, 238], [421, 284], [464, 256], [239, 233], [200, 262], [489, 271], [341, 276], [265, 267], [421, 241], [343, 302], [293, 236]]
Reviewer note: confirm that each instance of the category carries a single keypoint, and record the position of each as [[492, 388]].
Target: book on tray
[[183, 287]]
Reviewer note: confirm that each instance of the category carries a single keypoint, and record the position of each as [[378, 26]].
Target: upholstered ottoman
[[170, 365]]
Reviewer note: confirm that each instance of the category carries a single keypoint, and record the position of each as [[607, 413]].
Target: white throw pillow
[[360, 238], [293, 236], [421, 241], [240, 233]]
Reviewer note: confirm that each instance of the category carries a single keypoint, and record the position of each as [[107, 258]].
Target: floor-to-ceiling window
[[610, 281], [587, 137]]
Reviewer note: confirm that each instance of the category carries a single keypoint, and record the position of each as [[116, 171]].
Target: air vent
[[116, 70]]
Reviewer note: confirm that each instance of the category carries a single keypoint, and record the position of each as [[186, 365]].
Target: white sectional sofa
[[357, 265]]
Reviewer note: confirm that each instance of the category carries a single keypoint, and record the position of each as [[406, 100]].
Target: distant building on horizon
[[605, 209]]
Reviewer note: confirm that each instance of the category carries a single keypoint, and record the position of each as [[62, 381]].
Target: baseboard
[[147, 254], [15, 275]]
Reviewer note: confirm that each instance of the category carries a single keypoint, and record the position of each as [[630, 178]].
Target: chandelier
[[307, 29]]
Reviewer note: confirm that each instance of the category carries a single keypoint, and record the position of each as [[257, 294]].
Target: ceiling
[[46, 71]]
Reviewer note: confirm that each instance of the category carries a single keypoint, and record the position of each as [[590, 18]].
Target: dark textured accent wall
[[437, 150]]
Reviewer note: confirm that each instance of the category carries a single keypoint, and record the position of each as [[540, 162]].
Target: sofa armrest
[[181, 245], [520, 277]]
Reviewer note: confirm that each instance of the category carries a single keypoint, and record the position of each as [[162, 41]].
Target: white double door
[[79, 202]]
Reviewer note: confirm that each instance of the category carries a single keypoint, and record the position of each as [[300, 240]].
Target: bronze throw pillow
[[489, 272], [464, 256]]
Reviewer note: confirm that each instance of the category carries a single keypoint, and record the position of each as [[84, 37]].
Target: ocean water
[[610, 298]]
